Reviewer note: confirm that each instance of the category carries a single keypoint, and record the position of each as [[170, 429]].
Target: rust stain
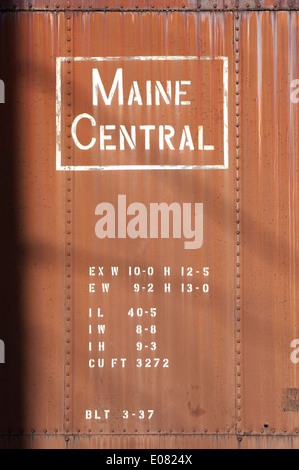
[[195, 411]]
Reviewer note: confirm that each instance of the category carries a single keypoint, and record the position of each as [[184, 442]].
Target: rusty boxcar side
[[118, 331]]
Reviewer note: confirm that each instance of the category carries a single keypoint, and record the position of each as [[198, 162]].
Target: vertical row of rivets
[[68, 228], [237, 186]]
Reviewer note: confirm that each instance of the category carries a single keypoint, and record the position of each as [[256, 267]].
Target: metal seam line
[[237, 136], [180, 8], [68, 233]]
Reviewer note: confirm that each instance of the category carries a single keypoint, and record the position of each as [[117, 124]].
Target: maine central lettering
[[142, 113], [112, 137]]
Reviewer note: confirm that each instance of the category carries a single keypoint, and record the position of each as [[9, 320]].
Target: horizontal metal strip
[[148, 5]]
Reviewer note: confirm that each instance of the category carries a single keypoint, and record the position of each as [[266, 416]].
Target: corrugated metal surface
[[269, 225], [230, 371], [193, 332], [32, 300]]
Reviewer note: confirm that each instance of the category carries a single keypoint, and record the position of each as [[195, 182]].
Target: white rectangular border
[[59, 167]]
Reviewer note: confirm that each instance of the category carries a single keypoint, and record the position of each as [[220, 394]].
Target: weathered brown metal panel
[[230, 343], [194, 330], [268, 220], [32, 378]]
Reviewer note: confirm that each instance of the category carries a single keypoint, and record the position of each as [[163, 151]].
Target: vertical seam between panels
[[237, 238], [68, 230]]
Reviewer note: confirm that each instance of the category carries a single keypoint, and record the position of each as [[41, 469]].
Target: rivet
[[247, 4], [183, 6], [273, 430], [215, 5], [198, 5], [45, 430], [67, 438], [30, 6], [136, 430], [55, 430], [124, 430], [32, 430], [239, 437], [57, 6], [78, 430], [217, 430], [205, 430]]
